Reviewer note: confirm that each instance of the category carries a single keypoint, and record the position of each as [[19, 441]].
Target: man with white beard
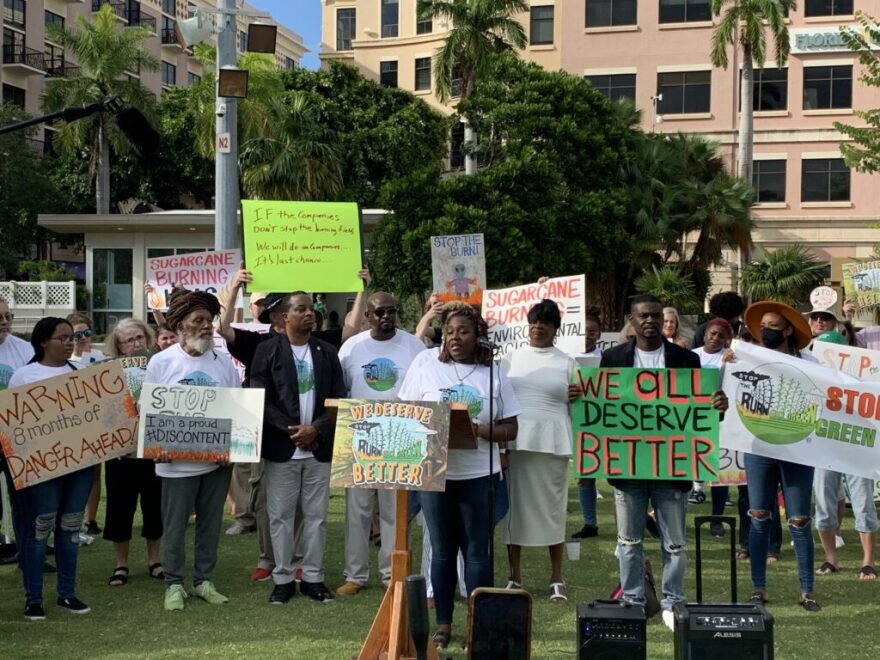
[[192, 486]]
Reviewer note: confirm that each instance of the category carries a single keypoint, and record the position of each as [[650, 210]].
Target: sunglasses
[[382, 311], [822, 317], [79, 335]]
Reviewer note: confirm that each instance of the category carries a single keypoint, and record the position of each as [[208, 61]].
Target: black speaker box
[[611, 630]]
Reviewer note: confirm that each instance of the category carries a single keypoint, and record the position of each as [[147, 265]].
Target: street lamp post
[[227, 197]]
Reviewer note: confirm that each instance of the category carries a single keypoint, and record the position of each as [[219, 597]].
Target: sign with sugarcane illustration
[[395, 445]]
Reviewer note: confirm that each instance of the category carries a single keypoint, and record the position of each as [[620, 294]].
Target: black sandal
[[119, 577], [810, 605], [441, 638], [867, 573], [826, 569], [152, 571]]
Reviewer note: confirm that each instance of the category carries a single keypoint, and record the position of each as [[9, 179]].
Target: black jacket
[[624, 355], [273, 370]]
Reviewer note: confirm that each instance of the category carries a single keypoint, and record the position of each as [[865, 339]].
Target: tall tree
[[786, 275], [479, 31], [107, 53], [745, 24], [864, 154]]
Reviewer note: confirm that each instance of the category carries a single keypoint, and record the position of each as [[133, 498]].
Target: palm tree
[[479, 30], [746, 22], [787, 275], [107, 54], [671, 285]]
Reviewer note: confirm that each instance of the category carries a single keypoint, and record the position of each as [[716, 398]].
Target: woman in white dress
[[538, 461]]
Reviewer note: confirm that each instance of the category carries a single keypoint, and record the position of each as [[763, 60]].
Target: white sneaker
[[669, 619], [838, 541]]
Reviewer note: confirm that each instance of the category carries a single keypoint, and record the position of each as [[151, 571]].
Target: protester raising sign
[[794, 410], [506, 312], [859, 362], [63, 424], [391, 445], [312, 246], [196, 423], [197, 271], [646, 424], [458, 264]]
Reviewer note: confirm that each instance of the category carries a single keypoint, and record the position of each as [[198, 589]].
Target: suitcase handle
[[730, 521]]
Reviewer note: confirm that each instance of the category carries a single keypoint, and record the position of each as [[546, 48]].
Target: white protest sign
[[796, 410], [862, 363], [230, 422], [506, 311], [209, 271], [458, 264]]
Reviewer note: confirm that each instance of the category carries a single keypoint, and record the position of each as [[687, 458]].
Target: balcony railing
[[169, 36], [138, 18], [62, 69], [23, 55], [117, 5]]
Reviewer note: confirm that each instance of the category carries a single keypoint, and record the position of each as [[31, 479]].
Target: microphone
[[137, 129], [484, 342]]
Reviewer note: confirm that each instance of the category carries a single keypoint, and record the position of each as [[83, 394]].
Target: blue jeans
[[56, 505], [458, 519], [587, 497], [631, 502], [764, 476]]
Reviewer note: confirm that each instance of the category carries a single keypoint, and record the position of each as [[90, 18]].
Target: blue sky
[[302, 16]]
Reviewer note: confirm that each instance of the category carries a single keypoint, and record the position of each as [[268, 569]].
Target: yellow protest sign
[[312, 246]]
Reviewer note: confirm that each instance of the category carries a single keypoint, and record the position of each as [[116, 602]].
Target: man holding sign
[[668, 496]]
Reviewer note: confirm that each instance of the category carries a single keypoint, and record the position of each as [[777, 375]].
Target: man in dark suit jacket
[[298, 373], [631, 496]]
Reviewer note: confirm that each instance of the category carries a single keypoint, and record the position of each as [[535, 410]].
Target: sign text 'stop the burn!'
[[646, 424]]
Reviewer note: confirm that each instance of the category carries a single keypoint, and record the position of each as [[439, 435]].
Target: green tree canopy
[[786, 275]]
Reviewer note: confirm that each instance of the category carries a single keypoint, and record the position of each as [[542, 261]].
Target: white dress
[[537, 478]]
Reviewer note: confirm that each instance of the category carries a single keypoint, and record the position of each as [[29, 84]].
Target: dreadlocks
[[482, 354], [183, 302]]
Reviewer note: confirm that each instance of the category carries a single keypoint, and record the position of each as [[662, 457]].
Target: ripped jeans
[[631, 502], [52, 506]]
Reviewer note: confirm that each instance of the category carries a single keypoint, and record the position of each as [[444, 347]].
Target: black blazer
[[273, 370], [624, 355]]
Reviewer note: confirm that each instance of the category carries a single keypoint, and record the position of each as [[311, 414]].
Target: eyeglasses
[[63, 339], [7, 317], [383, 311], [138, 339], [821, 317], [79, 335]]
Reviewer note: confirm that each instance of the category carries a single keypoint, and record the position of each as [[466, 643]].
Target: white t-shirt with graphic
[[33, 372], [650, 359], [709, 360], [305, 377], [14, 353], [174, 366], [428, 379], [374, 369]]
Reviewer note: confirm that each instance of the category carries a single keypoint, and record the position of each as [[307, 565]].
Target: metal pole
[[226, 194]]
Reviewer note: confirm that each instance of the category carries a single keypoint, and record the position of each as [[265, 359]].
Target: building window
[[111, 286], [770, 89], [53, 57], [289, 63], [824, 180], [390, 18], [685, 92], [615, 87], [423, 73], [827, 87], [13, 41], [828, 8], [456, 147], [192, 78], [242, 41], [455, 82], [684, 11], [169, 8], [541, 25], [424, 25], [13, 95], [768, 180], [169, 73], [14, 13], [607, 13], [51, 18], [388, 74], [346, 26]]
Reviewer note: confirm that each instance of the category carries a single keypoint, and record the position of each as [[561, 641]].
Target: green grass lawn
[[129, 622]]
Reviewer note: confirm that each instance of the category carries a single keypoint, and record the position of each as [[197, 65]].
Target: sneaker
[[237, 528], [74, 605], [838, 541], [586, 532], [207, 592], [282, 593], [34, 612], [316, 591], [92, 528], [260, 574], [349, 588], [174, 597], [697, 497], [669, 619], [716, 529], [298, 575]]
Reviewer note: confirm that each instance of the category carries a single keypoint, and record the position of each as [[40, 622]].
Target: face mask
[[772, 338]]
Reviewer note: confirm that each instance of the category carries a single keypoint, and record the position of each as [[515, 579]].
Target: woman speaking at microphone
[[458, 518]]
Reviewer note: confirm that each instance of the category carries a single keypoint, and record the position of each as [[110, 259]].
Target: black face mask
[[772, 338]]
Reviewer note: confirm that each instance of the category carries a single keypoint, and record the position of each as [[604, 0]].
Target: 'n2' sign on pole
[[645, 424]]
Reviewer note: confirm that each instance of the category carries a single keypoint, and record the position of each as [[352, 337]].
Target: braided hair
[[184, 302], [482, 354]]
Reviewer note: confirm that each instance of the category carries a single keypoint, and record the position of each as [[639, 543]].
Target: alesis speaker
[[721, 631], [611, 630]]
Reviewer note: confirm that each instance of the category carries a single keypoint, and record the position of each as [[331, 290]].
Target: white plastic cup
[[573, 550]]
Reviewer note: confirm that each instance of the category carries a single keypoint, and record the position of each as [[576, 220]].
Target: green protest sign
[[312, 246], [645, 424]]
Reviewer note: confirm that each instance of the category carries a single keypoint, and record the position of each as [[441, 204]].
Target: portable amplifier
[[611, 630], [723, 632]]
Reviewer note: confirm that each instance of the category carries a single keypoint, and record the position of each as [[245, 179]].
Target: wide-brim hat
[[753, 314], [257, 296], [270, 302]]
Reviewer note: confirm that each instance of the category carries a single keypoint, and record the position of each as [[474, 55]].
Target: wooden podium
[[389, 637]]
